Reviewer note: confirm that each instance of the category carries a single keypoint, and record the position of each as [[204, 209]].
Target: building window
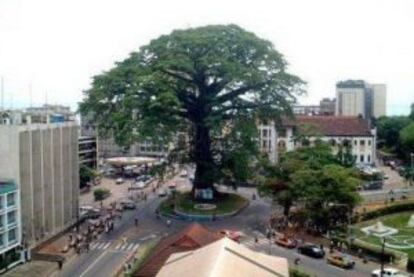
[[12, 235], [369, 158], [1, 240], [332, 142], [10, 200], [264, 133], [264, 143], [1, 202], [369, 142], [362, 142], [11, 217], [281, 145], [361, 158], [270, 133], [270, 144], [355, 142], [282, 133], [1, 221]]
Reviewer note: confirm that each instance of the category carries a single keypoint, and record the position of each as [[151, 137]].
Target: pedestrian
[[124, 240], [87, 247], [136, 221], [60, 264], [321, 246], [168, 223]]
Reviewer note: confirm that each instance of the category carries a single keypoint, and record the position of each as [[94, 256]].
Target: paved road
[[108, 253], [382, 195]]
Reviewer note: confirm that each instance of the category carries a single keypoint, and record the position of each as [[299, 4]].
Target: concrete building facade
[[43, 160], [359, 98]]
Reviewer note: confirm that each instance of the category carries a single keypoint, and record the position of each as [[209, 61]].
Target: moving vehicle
[[138, 185], [285, 242], [89, 212], [128, 204], [231, 234], [341, 260], [311, 250], [162, 193], [387, 272]]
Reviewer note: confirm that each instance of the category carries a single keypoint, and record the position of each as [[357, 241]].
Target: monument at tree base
[[410, 223], [379, 230]]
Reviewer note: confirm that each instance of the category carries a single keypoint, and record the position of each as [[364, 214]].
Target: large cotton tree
[[213, 83]]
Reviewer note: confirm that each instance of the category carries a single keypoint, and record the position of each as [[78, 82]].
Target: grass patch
[[398, 221], [225, 203]]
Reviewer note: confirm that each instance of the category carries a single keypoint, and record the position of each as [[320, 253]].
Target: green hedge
[[397, 208], [297, 273]]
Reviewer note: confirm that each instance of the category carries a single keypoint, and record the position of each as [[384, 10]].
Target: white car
[[138, 185], [388, 272], [183, 173], [162, 193], [119, 181]]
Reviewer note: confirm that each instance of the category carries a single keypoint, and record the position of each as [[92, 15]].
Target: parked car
[[285, 242], [231, 234], [387, 272], [119, 181], [311, 250], [128, 204], [162, 193], [341, 260]]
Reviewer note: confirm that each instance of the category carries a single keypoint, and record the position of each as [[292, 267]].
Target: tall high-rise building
[[42, 159], [359, 98]]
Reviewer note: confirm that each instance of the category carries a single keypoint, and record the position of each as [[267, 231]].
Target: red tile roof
[[192, 237], [332, 125]]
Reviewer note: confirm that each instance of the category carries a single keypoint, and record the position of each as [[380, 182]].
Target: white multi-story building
[[335, 130]]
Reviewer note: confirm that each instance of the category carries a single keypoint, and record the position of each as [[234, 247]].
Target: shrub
[[297, 273], [101, 194]]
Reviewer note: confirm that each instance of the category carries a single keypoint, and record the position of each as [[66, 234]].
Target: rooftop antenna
[[30, 95]]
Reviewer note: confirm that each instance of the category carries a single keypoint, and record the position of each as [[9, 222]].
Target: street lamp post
[[382, 257]]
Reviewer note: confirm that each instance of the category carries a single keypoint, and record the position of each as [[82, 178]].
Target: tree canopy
[[212, 83], [311, 178]]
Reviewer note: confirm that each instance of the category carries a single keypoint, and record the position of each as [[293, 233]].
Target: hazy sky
[[56, 46]]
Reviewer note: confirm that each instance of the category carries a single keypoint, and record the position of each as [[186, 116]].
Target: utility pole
[[382, 257]]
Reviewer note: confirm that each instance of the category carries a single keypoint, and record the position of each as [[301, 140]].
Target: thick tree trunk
[[204, 173]]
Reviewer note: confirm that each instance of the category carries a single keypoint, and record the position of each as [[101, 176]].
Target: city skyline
[[57, 61]]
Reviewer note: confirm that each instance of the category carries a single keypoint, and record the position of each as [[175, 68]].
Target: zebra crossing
[[121, 247]]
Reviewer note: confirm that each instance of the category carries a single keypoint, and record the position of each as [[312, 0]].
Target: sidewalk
[[33, 269]]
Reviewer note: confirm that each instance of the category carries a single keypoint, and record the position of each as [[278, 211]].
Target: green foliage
[[311, 177], [101, 194], [407, 138], [389, 129], [207, 82], [293, 272], [86, 175]]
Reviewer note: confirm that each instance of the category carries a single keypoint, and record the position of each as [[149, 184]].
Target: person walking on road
[[136, 221]]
